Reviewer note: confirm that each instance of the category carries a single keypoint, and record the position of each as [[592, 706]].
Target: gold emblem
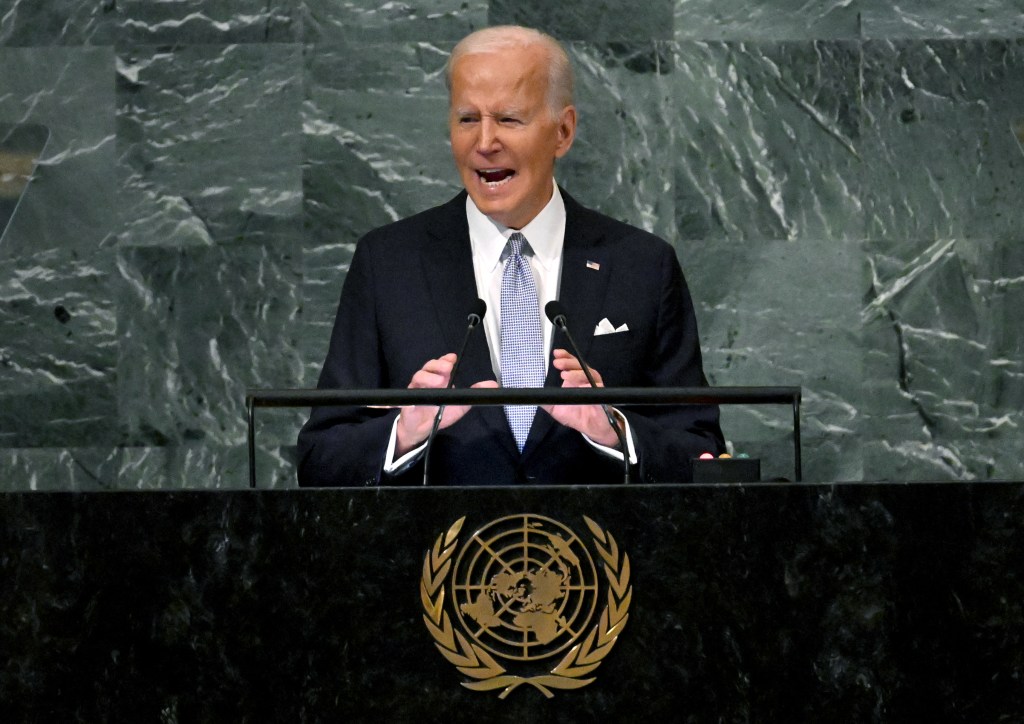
[[524, 591]]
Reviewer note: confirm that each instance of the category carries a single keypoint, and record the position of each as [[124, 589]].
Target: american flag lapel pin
[[593, 265]]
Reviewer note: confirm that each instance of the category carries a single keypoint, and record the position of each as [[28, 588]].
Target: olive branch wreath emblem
[[475, 662]]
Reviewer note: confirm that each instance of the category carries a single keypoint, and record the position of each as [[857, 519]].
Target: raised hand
[[588, 419], [415, 421]]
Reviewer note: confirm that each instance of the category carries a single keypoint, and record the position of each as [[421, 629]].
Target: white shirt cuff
[[392, 466], [617, 454]]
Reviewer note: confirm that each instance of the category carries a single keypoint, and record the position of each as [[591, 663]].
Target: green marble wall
[[842, 181]]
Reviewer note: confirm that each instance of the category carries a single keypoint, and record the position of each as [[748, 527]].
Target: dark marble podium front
[[761, 603]]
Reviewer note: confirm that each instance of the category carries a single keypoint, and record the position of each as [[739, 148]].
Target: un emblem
[[524, 591]]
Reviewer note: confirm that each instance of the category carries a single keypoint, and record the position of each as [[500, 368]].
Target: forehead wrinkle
[[531, 78]]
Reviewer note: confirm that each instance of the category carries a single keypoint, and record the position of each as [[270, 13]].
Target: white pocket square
[[606, 327]]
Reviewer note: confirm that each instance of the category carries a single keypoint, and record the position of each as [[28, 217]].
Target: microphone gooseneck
[[556, 314], [476, 313]]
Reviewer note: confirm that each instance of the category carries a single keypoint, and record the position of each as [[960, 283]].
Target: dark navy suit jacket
[[405, 301]]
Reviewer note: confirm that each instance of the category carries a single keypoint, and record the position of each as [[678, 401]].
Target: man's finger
[[434, 373]]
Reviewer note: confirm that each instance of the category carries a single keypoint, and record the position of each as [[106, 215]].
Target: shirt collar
[[545, 232]]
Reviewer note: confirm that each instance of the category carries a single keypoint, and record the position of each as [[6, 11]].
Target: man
[[514, 239]]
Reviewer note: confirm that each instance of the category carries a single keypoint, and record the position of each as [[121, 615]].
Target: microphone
[[477, 310], [556, 313]]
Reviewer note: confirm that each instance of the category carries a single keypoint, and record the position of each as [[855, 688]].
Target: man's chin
[[495, 209]]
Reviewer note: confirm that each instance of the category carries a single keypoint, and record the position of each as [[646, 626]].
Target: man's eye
[[467, 119], [510, 120]]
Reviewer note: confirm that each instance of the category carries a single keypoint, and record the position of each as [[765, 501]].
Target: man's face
[[504, 137]]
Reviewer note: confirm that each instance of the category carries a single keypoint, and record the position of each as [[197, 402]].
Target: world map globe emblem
[[525, 587]]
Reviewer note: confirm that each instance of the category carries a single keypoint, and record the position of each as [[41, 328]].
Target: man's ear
[[566, 130]]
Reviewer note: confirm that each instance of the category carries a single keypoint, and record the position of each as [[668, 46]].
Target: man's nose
[[487, 142]]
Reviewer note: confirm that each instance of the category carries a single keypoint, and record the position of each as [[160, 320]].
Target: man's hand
[[588, 419], [415, 421]]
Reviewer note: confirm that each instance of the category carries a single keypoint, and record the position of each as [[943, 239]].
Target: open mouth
[[494, 177]]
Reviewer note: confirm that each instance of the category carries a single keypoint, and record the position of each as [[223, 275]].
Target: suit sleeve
[[669, 437], [345, 446]]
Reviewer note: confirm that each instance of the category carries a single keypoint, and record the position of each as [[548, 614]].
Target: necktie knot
[[517, 245]]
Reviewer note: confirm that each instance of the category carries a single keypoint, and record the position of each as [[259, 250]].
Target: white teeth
[[493, 184]]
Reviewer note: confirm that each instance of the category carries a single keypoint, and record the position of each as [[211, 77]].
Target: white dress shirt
[[545, 235]]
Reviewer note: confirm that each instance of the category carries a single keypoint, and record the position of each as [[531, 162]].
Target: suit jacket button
[[524, 479]]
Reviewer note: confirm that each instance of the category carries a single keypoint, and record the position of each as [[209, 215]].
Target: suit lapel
[[446, 261], [586, 269], [581, 290]]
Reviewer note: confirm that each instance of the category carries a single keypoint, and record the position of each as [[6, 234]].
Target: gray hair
[[504, 37]]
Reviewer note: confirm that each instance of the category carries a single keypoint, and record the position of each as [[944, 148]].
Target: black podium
[[767, 602]]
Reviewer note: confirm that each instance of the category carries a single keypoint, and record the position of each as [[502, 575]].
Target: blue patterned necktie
[[522, 342]]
